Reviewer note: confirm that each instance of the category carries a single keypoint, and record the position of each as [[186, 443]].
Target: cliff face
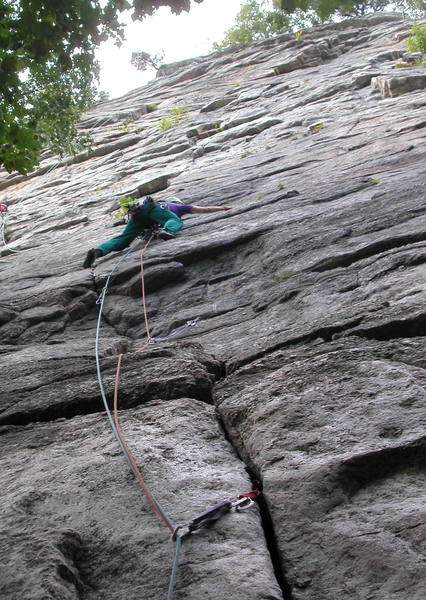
[[304, 373]]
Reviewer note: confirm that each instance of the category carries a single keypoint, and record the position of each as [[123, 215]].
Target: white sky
[[184, 36]]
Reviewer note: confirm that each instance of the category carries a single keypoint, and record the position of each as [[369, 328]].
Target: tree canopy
[[256, 21], [48, 71], [144, 60], [260, 19], [253, 23], [350, 8]]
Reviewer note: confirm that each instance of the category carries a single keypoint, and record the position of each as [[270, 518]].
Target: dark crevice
[[69, 546], [324, 333], [267, 523], [51, 413], [84, 407], [357, 472], [234, 213], [408, 328], [215, 248], [327, 333], [401, 262], [223, 277], [286, 169], [130, 396], [415, 127], [407, 149], [345, 260], [353, 188], [399, 328], [272, 545]]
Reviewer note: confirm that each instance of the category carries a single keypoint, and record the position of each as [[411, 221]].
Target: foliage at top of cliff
[[261, 19], [48, 70], [350, 8]]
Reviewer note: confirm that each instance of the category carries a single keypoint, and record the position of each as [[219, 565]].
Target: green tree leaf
[[254, 22], [48, 71]]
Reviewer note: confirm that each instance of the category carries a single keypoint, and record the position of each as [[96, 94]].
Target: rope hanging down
[[113, 421], [210, 515]]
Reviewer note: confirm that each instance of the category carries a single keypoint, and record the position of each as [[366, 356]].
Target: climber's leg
[[132, 230], [170, 223]]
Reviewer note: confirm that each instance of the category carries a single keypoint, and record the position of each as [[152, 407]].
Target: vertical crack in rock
[[70, 547], [309, 290], [271, 542], [267, 522]]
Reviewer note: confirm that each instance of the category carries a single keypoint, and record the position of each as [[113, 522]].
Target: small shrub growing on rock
[[417, 40], [177, 114], [376, 180], [165, 123], [402, 65], [316, 127], [123, 202], [407, 65], [281, 186], [124, 126]]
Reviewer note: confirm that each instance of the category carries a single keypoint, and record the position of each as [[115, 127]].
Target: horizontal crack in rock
[[398, 328], [346, 259]]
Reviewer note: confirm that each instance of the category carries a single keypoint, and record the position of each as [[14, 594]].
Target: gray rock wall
[[305, 372]]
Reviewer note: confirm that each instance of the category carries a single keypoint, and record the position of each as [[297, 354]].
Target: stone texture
[[402, 82], [309, 341], [78, 526], [58, 380], [336, 433]]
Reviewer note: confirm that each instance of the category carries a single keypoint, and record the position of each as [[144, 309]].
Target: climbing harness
[[212, 514], [151, 231]]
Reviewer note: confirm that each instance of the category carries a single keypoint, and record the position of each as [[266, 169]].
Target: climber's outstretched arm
[[209, 209]]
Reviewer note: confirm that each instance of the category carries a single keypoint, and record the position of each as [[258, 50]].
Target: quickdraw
[[214, 513], [177, 331]]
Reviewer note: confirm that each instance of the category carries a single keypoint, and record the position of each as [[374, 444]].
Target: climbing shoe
[[166, 235], [91, 256]]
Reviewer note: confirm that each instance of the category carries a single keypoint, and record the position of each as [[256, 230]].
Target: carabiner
[[242, 503], [193, 322]]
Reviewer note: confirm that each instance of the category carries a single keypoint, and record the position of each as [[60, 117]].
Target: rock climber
[[144, 214]]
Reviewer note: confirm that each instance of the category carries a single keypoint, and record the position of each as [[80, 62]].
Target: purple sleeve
[[178, 209]]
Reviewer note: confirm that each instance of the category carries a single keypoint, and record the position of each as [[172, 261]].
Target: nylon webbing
[[177, 331]]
